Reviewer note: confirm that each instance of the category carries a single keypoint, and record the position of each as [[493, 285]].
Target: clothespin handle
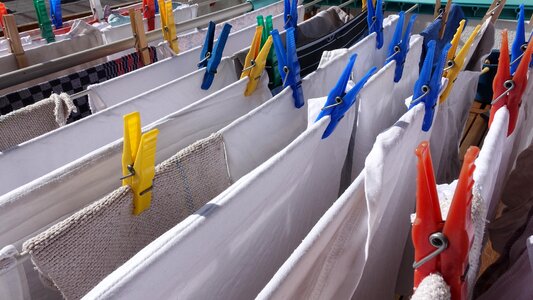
[[445, 18], [494, 11], [44, 22], [138, 161], [149, 13], [12, 34], [167, 24], [55, 13], [141, 43], [3, 12], [519, 44], [96, 8], [437, 11]]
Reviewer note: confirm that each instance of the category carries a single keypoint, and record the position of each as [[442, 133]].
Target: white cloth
[[120, 88], [48, 152], [251, 228], [13, 283]]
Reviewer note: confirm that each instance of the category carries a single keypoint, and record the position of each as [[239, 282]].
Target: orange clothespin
[[508, 89], [138, 161], [443, 246], [256, 60]]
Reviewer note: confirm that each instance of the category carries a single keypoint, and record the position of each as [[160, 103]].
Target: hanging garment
[[298, 197], [13, 283], [379, 110], [84, 36], [35, 120], [91, 133], [74, 83], [120, 89]]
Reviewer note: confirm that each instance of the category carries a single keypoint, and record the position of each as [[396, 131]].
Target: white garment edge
[[37, 157], [119, 89], [48, 199]]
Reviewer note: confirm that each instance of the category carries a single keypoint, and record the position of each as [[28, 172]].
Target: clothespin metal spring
[[509, 85], [437, 240]]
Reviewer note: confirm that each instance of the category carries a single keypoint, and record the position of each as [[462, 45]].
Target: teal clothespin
[[44, 22]]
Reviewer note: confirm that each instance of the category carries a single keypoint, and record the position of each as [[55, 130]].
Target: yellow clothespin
[[256, 60], [363, 5], [167, 24], [455, 63], [138, 161]]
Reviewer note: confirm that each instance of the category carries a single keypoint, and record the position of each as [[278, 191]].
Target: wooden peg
[[12, 34], [531, 22], [137, 26], [437, 9], [445, 17], [494, 11]]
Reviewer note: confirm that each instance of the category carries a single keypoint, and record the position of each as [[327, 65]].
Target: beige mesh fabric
[[34, 120], [80, 251]]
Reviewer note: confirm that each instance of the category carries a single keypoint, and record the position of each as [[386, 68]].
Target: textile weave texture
[[77, 253]]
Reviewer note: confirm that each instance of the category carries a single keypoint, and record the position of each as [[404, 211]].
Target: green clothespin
[[272, 60], [44, 22]]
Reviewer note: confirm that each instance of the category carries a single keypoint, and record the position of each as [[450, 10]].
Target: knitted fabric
[[34, 120], [77, 253], [433, 287]]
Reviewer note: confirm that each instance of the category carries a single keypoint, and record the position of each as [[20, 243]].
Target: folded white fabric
[[34, 120], [39, 156], [119, 89], [81, 36], [250, 229]]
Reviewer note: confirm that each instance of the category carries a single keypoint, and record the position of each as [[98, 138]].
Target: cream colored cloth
[[35, 120]]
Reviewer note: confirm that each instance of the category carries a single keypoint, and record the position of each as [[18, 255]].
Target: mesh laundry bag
[[81, 250], [34, 120], [40, 156], [247, 231]]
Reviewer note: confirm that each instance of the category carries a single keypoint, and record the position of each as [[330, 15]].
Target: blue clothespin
[[156, 4], [288, 65], [399, 46], [428, 85], [519, 44], [338, 101], [55, 13], [374, 18], [291, 14], [211, 56]]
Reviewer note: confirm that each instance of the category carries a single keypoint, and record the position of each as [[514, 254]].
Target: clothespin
[[288, 65], [374, 18], [437, 11], [445, 14], [3, 12], [339, 101], [291, 14], [138, 161], [55, 13], [443, 246], [428, 85], [149, 13], [168, 26], [519, 44], [399, 46], [141, 44], [211, 56], [44, 22], [364, 6], [455, 63], [256, 60], [508, 89], [11, 33], [494, 11], [272, 61], [96, 8]]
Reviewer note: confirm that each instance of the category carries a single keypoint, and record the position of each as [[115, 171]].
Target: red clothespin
[[443, 246], [3, 12], [508, 88], [149, 13]]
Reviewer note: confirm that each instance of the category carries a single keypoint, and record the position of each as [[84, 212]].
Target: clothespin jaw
[[44, 22], [374, 19], [272, 61], [215, 57], [427, 87], [167, 25], [339, 101], [205, 54], [141, 44], [459, 230], [138, 161], [12, 35], [55, 13], [455, 62], [288, 65], [291, 14], [443, 247], [256, 60], [149, 13], [508, 89], [3, 12], [519, 44], [399, 46]]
